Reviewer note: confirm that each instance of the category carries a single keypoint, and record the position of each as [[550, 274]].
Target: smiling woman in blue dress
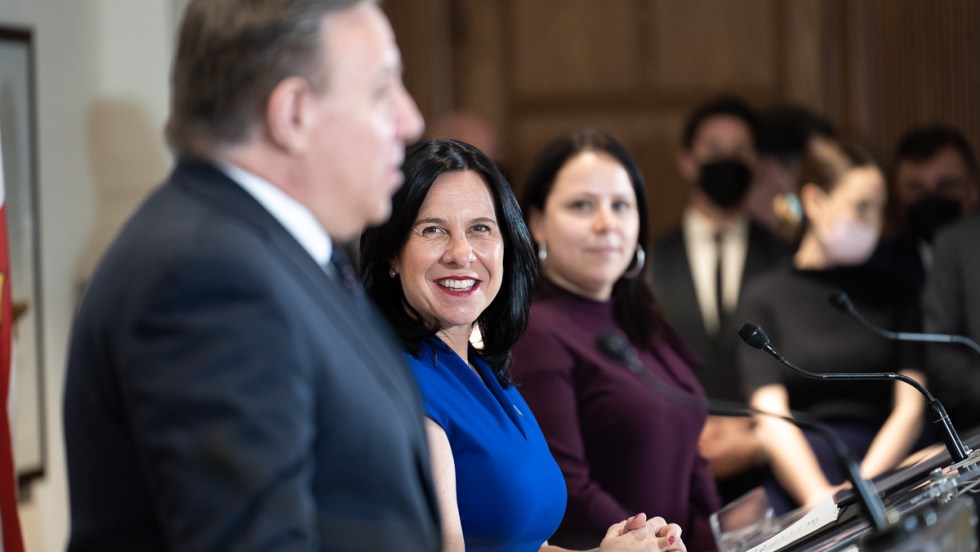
[[456, 256]]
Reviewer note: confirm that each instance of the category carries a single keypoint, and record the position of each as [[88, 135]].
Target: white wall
[[126, 119], [101, 98]]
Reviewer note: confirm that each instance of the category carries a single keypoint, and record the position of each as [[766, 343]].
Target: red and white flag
[[9, 519]]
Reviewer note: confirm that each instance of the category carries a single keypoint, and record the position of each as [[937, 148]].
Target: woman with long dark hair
[[456, 256], [621, 446]]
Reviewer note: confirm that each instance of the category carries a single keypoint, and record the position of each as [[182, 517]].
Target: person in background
[[951, 305], [476, 130], [228, 388], [785, 132], [936, 181], [456, 255], [621, 446], [701, 268], [843, 195]]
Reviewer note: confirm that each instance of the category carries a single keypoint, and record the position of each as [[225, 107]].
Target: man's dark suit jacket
[[224, 393], [674, 285], [951, 305]]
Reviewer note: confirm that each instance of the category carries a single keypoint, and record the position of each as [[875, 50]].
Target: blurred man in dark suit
[[785, 133], [700, 269], [951, 305], [229, 387], [936, 178], [936, 181]]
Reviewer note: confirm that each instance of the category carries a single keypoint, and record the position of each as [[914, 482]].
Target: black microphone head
[[753, 335], [841, 302], [612, 344]]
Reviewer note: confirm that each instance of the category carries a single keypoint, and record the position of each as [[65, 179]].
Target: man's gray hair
[[230, 56]]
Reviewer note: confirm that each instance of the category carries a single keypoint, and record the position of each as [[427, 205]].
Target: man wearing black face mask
[[935, 181], [936, 178], [701, 268]]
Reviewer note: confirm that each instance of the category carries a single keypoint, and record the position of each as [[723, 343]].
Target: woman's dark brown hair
[[634, 306]]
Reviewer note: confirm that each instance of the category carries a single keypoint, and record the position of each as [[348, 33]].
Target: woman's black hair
[[503, 322], [634, 306]]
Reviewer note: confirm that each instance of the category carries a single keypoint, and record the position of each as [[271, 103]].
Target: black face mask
[[725, 182], [926, 217]]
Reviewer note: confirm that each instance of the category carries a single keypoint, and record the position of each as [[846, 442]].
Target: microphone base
[[969, 467], [935, 526]]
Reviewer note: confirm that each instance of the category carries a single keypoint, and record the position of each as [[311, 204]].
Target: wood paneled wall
[[636, 68], [923, 65]]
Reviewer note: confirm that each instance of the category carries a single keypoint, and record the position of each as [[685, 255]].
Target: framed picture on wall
[[18, 156]]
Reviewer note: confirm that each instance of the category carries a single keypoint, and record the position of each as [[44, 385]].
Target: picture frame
[[18, 155]]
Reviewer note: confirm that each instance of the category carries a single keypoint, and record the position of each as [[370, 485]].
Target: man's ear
[[687, 166], [287, 114]]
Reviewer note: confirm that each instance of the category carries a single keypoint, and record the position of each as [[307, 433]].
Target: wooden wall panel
[[480, 68], [423, 31], [717, 44], [573, 47], [805, 44], [636, 68], [924, 67]]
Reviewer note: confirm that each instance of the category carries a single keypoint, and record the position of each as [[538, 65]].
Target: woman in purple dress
[[621, 446]]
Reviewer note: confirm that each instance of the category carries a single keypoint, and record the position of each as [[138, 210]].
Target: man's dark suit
[[951, 305], [225, 393], [675, 291]]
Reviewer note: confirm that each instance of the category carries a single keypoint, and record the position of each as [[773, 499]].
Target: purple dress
[[622, 447]]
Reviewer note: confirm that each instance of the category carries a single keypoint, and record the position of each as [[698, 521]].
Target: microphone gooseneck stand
[[881, 538], [755, 337], [842, 302], [614, 346]]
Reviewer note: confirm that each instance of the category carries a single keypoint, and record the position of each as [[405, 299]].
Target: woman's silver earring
[[542, 252], [636, 267], [392, 273]]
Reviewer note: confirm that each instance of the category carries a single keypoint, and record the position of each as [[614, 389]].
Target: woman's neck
[[601, 293], [457, 339]]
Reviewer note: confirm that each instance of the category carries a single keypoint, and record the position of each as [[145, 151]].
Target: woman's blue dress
[[510, 492]]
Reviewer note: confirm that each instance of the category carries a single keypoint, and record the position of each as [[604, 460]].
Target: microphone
[[842, 302], [615, 347], [755, 337]]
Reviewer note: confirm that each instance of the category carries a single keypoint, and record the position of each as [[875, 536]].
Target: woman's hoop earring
[[542, 252], [636, 267]]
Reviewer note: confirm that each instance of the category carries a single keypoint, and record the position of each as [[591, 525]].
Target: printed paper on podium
[[822, 515]]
